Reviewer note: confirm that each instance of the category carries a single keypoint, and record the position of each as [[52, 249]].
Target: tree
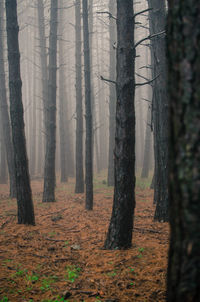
[[24, 195], [121, 223], [88, 112], [62, 97], [160, 108], [183, 49], [6, 131], [49, 168], [79, 187], [112, 97]]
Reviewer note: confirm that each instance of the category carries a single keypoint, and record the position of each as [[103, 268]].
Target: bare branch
[[149, 37], [109, 14], [147, 82], [107, 80], [141, 12]]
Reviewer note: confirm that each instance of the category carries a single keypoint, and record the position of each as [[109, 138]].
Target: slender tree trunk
[[6, 129], [24, 195], [160, 109], [49, 169], [3, 166], [147, 146], [121, 224], [88, 111], [43, 59], [184, 147], [79, 187], [62, 97], [112, 100]]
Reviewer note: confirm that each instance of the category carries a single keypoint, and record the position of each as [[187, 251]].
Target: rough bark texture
[[88, 112], [49, 169], [24, 195], [79, 187], [160, 108], [184, 177], [121, 224], [6, 129], [112, 100]]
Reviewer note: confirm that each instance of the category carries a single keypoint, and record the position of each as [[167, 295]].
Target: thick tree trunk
[[88, 112], [49, 169], [184, 176], [160, 109], [24, 195], [79, 187], [121, 224], [112, 97], [6, 131]]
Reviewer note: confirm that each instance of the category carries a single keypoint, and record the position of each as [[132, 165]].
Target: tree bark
[[184, 173], [88, 112], [24, 195], [112, 97], [79, 187], [160, 109], [49, 169], [62, 98], [121, 225], [6, 129]]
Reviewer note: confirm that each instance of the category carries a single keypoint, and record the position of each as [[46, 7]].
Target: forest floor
[[62, 257]]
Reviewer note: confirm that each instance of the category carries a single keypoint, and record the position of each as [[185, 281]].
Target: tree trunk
[[24, 195], [147, 146], [6, 129], [43, 60], [112, 99], [3, 166], [62, 97], [121, 225], [49, 169], [79, 187], [184, 176], [88, 112], [160, 109]]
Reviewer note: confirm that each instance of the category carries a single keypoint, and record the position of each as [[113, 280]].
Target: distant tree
[[121, 223], [79, 187], [183, 50], [88, 112], [50, 150], [62, 97], [24, 195], [3, 164], [112, 90], [5, 119], [160, 108]]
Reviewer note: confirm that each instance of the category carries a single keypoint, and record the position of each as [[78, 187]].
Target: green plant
[[46, 283], [72, 272], [112, 274], [66, 243], [52, 234], [32, 278], [5, 299], [19, 271], [131, 269], [140, 250]]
